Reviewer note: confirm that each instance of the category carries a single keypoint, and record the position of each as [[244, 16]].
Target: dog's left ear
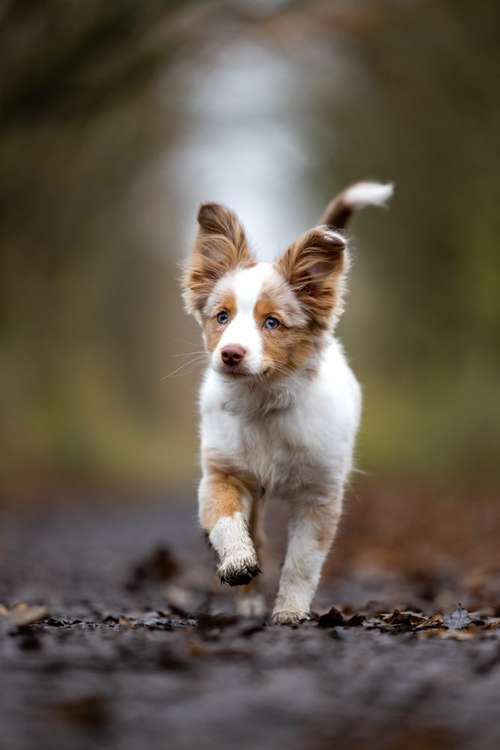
[[315, 266], [220, 246]]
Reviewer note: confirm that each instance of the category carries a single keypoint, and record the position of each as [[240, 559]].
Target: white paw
[[289, 617], [238, 570], [253, 605]]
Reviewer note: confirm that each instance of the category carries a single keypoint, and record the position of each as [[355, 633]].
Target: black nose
[[232, 355]]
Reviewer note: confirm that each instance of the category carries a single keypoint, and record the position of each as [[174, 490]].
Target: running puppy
[[280, 406]]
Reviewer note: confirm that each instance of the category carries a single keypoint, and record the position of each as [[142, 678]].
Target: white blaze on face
[[246, 286]]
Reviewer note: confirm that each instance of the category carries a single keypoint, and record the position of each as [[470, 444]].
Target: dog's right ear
[[220, 246]]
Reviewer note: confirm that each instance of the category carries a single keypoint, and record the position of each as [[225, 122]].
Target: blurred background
[[118, 118]]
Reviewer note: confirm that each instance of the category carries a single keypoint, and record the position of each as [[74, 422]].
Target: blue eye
[[222, 318], [271, 323]]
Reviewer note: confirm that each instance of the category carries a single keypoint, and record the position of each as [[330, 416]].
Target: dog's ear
[[220, 246], [315, 267]]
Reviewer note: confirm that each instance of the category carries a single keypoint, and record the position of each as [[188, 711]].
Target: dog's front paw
[[238, 571], [289, 617]]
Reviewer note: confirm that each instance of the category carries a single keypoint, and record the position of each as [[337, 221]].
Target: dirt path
[[126, 655]]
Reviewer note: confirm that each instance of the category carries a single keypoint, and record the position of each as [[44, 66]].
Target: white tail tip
[[368, 194]]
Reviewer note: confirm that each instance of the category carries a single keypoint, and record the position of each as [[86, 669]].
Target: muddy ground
[[114, 634]]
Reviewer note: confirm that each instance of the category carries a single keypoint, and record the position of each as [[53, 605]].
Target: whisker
[[188, 354], [183, 367], [284, 370]]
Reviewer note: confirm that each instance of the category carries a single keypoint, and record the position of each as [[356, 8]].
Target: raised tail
[[352, 199]]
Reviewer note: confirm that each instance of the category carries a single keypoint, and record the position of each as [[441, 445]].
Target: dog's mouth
[[234, 371], [241, 371]]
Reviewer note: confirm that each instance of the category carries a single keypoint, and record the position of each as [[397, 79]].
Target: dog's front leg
[[225, 505], [312, 527]]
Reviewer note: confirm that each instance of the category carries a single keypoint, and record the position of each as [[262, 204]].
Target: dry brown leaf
[[24, 614], [493, 623], [331, 619], [434, 621], [160, 565], [406, 619]]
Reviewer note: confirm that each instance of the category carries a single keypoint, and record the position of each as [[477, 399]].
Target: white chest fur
[[287, 438]]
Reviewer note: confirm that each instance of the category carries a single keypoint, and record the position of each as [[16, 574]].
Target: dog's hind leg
[[225, 507], [251, 601], [312, 527]]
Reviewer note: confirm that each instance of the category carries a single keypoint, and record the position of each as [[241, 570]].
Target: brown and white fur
[[279, 404]]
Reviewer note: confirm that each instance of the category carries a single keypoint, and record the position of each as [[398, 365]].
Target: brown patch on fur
[[213, 329], [229, 487], [327, 518], [220, 246], [264, 307], [287, 350], [314, 266], [338, 212], [225, 500], [288, 347]]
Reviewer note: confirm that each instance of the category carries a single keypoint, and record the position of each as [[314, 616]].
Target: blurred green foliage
[[116, 120]]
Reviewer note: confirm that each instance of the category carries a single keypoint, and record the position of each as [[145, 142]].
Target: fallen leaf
[[334, 618], [160, 565], [406, 620], [434, 621], [458, 620], [493, 623], [355, 621], [331, 619], [156, 621], [24, 614]]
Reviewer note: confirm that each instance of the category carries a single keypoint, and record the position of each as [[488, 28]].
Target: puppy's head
[[263, 320]]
